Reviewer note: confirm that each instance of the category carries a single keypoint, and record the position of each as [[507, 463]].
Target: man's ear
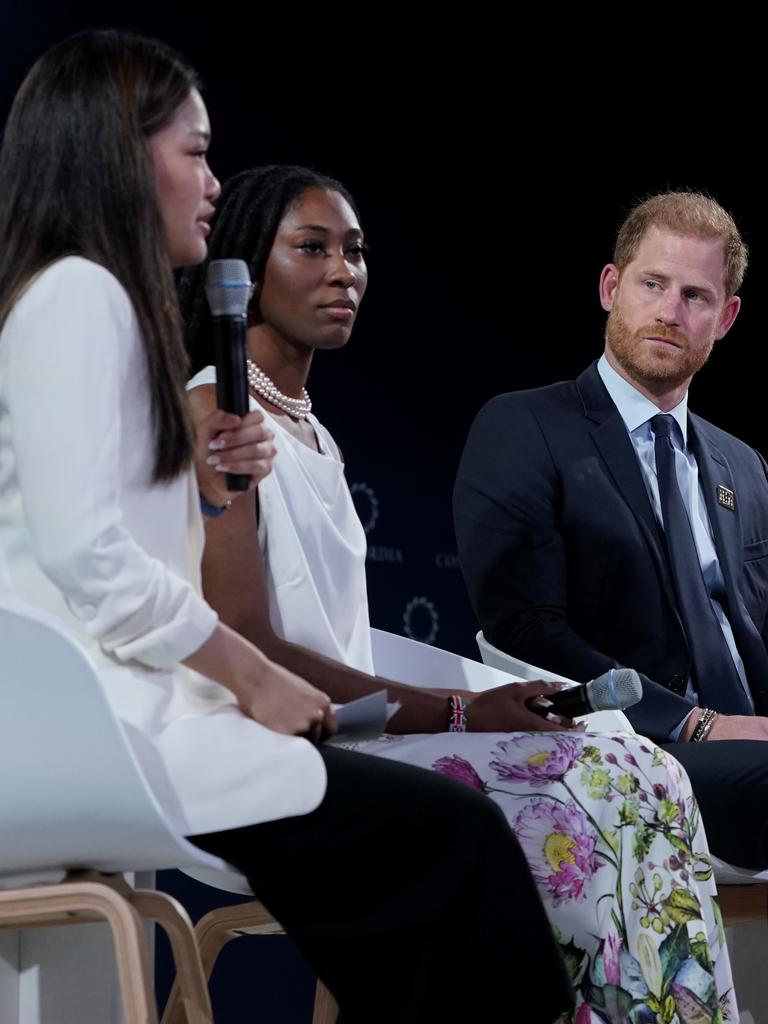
[[609, 282], [729, 313]]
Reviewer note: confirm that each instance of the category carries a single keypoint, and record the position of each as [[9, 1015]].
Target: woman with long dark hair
[[608, 823], [104, 188]]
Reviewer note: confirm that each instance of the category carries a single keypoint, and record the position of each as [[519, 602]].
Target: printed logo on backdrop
[[420, 620], [447, 560], [367, 507]]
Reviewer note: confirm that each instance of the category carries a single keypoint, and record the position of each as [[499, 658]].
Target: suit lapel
[[726, 522], [615, 446]]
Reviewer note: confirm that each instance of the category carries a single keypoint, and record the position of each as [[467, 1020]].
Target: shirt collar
[[635, 409]]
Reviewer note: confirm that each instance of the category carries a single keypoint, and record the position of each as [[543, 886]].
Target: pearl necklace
[[297, 408]]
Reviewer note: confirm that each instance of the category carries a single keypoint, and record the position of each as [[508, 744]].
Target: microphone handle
[[572, 703], [231, 377]]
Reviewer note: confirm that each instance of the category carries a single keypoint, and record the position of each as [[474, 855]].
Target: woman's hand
[[506, 709], [226, 443], [286, 703], [264, 691]]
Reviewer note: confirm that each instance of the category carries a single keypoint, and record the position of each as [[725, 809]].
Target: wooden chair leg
[[218, 927], [326, 1010], [75, 901], [213, 931], [191, 982]]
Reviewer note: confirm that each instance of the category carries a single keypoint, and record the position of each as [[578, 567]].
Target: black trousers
[[410, 897], [730, 782]]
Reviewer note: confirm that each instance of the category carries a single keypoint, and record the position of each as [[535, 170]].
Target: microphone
[[228, 290], [615, 690]]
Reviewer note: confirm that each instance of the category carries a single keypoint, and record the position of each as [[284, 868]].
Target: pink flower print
[[611, 963], [457, 768], [559, 844], [584, 1016], [536, 758]]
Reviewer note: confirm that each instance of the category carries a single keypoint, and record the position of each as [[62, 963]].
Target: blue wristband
[[212, 510]]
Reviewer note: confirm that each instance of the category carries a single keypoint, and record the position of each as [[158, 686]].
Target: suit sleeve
[[69, 337], [763, 475], [507, 513]]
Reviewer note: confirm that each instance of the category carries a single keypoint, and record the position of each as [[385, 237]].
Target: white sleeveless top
[[313, 545]]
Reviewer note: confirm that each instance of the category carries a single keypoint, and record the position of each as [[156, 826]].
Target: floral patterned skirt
[[613, 836]]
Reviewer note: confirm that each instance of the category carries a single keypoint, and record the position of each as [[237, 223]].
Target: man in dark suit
[[600, 523]]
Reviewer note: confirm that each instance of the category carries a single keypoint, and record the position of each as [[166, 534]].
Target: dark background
[[492, 163]]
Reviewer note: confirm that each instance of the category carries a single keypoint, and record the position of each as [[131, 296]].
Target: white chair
[[411, 662], [76, 813], [414, 663], [738, 905], [601, 721]]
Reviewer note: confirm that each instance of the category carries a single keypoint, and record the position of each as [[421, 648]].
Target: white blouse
[[87, 535], [313, 545]]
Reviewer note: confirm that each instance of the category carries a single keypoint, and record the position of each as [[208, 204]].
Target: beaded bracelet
[[457, 713], [704, 725]]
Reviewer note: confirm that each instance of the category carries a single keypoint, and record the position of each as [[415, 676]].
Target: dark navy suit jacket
[[563, 557]]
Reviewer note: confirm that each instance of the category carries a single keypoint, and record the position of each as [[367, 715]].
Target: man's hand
[[739, 727]]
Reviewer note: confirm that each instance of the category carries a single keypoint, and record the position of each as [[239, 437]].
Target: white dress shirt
[[637, 411]]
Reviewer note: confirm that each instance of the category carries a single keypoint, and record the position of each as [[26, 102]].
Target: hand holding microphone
[[615, 690], [227, 444], [509, 708], [228, 290]]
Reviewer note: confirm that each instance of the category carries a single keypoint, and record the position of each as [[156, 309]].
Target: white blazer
[[88, 536]]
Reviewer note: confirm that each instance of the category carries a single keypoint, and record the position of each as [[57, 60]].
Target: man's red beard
[[651, 366]]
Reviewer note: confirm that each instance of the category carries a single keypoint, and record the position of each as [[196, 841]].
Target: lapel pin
[[726, 498]]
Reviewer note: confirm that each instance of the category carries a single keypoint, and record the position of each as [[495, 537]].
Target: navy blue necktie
[[714, 673]]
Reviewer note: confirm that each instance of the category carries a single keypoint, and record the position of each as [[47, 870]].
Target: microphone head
[[228, 287], [615, 690]]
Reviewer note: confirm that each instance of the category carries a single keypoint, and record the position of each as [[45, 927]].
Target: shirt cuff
[[675, 734]]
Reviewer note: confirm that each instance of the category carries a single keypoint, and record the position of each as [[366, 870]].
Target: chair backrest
[[602, 721], [72, 794], [506, 663], [417, 664]]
